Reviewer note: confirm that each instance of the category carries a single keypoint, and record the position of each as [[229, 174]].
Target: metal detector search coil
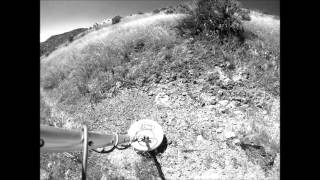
[[149, 135]]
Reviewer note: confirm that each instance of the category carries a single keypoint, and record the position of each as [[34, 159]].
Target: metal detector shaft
[[65, 140]]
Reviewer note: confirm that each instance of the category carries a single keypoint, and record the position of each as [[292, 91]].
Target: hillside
[[53, 42], [218, 103]]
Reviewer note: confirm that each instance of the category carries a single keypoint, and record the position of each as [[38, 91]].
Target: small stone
[[200, 138], [219, 130], [224, 111], [236, 78], [151, 93], [236, 141], [231, 105], [213, 102], [224, 102], [237, 112], [210, 106], [229, 134], [264, 112], [49, 165]]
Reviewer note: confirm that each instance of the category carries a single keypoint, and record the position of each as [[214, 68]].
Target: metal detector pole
[[54, 139]]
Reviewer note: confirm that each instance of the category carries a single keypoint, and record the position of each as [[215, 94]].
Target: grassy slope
[[218, 104]]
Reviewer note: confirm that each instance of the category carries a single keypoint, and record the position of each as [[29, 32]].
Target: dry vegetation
[[217, 99]]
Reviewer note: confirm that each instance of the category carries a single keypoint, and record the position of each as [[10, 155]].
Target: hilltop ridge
[[54, 41]]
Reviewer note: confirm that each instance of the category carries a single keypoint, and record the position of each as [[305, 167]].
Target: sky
[[59, 16]]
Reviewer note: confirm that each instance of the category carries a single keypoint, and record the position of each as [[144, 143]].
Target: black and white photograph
[[159, 89]]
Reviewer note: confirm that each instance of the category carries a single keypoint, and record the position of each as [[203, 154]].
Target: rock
[[236, 141], [200, 138], [151, 93], [224, 111], [223, 102], [213, 102], [162, 99], [237, 112], [236, 78], [219, 130], [231, 105], [164, 115], [229, 134], [50, 165]]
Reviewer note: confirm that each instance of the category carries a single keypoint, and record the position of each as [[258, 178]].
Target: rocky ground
[[211, 131]]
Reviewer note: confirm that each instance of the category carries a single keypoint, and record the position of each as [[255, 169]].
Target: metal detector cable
[[115, 146]]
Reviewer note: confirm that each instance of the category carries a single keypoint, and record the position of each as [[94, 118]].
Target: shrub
[[188, 26], [140, 12], [116, 19], [184, 9], [70, 39], [245, 15], [52, 79], [214, 17], [156, 11], [163, 9], [169, 10]]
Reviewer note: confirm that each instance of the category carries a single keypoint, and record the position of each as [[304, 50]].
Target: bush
[[169, 10], [140, 12], [52, 79], [214, 17], [163, 9], [116, 19], [245, 15], [70, 39], [156, 11], [184, 9]]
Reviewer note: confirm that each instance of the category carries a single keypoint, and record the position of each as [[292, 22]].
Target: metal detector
[[144, 136]]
